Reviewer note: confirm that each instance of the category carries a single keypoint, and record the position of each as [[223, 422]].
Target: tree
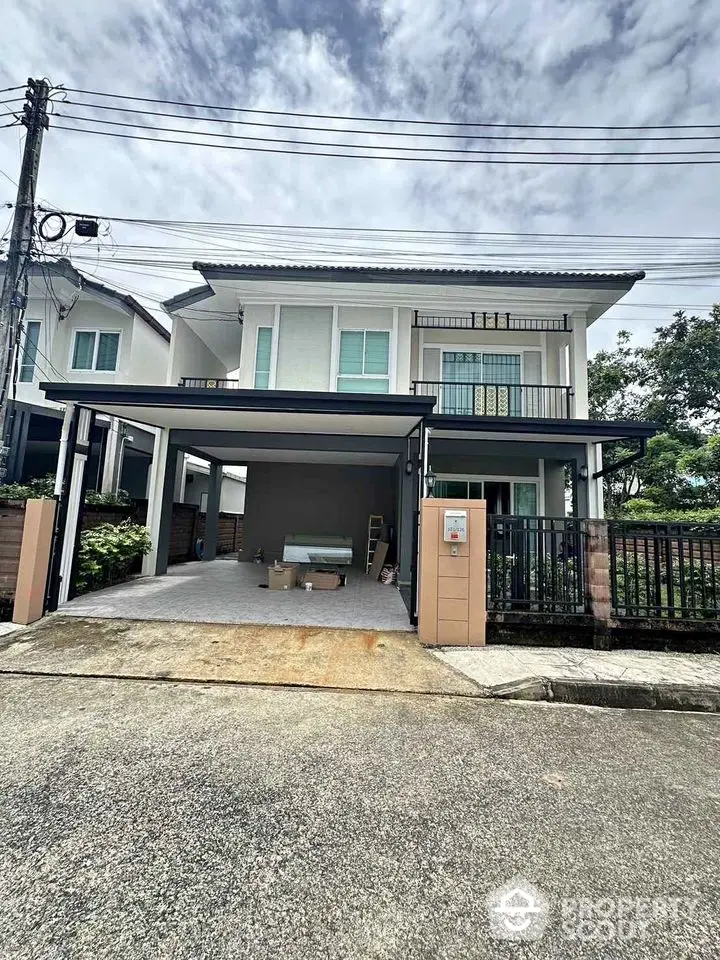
[[681, 371], [676, 382]]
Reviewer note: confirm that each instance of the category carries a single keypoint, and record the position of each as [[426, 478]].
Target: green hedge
[[108, 552]]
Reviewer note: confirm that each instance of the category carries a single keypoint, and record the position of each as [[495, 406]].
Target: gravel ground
[[161, 820]]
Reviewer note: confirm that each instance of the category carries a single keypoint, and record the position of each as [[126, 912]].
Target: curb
[[612, 693]]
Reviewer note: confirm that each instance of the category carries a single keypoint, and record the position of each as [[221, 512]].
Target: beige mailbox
[[452, 578]]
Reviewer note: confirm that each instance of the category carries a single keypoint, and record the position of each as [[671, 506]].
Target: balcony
[[208, 383], [491, 321], [497, 399]]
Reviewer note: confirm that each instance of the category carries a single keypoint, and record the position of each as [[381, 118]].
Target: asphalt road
[[159, 820]]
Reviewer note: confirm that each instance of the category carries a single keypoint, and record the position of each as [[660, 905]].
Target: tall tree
[[675, 381]]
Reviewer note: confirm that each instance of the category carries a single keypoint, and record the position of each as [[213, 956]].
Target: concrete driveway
[[156, 820]]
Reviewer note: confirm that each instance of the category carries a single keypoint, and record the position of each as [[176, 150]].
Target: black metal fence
[[208, 383], [536, 565], [490, 320], [667, 571], [497, 399]]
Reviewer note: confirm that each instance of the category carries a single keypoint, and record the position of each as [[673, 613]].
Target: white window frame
[[273, 350], [364, 376], [539, 482], [34, 377], [96, 347], [508, 348]]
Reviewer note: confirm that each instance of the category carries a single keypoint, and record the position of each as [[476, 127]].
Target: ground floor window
[[509, 497]]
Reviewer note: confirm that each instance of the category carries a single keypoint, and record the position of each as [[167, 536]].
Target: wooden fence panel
[[12, 520]]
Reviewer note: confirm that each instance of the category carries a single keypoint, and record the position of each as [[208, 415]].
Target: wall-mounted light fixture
[[430, 479], [583, 473], [409, 467]]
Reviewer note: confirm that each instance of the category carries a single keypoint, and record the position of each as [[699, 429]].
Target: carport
[[322, 461]]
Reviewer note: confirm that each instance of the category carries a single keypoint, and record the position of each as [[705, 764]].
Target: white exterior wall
[[149, 354], [311, 363], [142, 354], [190, 357], [304, 348], [232, 492], [256, 315]]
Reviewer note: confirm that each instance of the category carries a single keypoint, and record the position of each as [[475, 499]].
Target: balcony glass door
[[481, 384]]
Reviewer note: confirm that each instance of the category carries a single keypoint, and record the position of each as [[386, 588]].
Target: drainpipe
[[62, 456], [625, 462]]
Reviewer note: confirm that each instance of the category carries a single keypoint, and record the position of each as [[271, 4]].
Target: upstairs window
[[30, 349], [364, 364], [263, 353], [95, 350]]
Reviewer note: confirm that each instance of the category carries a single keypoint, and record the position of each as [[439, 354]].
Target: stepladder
[[375, 525]]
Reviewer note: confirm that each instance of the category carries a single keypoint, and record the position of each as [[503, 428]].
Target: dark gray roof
[[62, 267], [372, 274], [188, 298]]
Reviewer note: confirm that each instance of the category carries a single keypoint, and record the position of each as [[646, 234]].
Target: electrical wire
[[365, 119], [362, 156], [214, 224], [375, 133], [394, 146]]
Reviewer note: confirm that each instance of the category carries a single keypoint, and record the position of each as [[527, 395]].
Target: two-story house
[[353, 391], [77, 329]]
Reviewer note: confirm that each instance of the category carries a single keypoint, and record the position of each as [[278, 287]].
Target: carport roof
[[267, 411], [539, 429]]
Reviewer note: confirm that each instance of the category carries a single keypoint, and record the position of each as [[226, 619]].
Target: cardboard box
[[323, 579], [282, 576]]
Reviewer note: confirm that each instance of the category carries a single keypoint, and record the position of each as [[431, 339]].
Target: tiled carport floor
[[225, 591]]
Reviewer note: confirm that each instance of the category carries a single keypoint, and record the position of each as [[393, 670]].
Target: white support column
[[397, 384], [112, 462], [578, 365], [62, 455], [74, 496], [596, 499], [156, 476], [180, 479], [334, 348], [274, 343]]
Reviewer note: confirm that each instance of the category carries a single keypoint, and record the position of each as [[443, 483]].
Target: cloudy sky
[[601, 62]]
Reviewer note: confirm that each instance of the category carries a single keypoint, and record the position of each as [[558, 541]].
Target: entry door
[[499, 371]]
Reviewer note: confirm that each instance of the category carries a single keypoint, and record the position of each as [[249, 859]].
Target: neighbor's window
[[32, 338], [263, 351], [364, 361], [94, 350]]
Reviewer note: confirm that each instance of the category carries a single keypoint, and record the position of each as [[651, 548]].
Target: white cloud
[[545, 61]]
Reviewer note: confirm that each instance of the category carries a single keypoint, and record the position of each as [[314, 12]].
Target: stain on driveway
[[260, 654]]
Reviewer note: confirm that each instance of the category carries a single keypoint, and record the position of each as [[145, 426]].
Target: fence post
[[598, 581]]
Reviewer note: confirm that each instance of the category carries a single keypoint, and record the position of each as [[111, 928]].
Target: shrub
[[42, 487], [119, 499], [107, 553]]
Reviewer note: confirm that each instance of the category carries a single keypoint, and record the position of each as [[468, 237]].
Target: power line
[[372, 230], [365, 146], [362, 156], [375, 133], [365, 119]]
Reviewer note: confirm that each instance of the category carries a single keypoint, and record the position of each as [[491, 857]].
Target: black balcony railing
[[536, 565], [660, 570], [208, 383], [497, 399], [491, 321]]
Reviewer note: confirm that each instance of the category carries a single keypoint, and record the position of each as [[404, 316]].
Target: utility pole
[[12, 299]]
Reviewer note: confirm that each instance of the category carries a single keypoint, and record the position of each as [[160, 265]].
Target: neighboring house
[[77, 329], [197, 485], [350, 391]]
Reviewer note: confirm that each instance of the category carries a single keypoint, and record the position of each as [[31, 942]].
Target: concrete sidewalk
[[612, 678]]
